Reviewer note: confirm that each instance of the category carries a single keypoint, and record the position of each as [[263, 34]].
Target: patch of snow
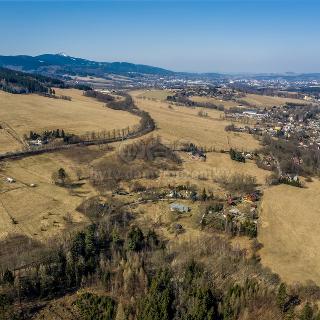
[[62, 54]]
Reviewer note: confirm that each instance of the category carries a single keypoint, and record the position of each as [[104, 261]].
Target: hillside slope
[[63, 64]]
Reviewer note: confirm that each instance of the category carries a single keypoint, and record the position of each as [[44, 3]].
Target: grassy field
[[289, 215], [7, 142], [268, 101], [184, 124], [156, 94], [31, 217], [24, 113], [289, 232], [227, 104], [41, 212]]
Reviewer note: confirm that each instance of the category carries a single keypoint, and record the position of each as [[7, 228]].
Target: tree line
[[19, 82]]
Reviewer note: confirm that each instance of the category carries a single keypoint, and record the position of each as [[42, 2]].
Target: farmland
[[226, 103], [184, 124], [155, 94], [268, 101], [25, 113]]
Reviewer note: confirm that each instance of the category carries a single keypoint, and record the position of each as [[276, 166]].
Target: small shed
[[179, 207]]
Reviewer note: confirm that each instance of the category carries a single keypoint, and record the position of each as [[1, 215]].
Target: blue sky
[[209, 36]]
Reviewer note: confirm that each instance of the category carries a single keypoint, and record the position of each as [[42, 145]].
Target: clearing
[[289, 232], [156, 94]]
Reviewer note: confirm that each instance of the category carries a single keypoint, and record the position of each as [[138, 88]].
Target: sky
[[194, 36]]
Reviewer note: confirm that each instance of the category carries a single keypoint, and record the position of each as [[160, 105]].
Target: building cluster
[[291, 122]]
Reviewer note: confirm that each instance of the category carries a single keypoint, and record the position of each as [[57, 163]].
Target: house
[[179, 207], [37, 142]]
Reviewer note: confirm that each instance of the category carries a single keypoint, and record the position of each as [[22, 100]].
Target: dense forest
[[19, 82]]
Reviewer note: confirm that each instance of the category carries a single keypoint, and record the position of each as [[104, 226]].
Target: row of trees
[[181, 99]]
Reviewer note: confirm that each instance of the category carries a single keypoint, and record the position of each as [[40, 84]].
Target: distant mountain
[[60, 64]]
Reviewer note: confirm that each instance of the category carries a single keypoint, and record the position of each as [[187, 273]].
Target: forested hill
[[61, 64], [19, 82]]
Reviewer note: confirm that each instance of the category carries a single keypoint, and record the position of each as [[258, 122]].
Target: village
[[290, 122]]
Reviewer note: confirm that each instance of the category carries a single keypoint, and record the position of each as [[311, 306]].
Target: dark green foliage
[[94, 307], [135, 240], [127, 104], [48, 135], [18, 82], [192, 271], [291, 182], [5, 306], [204, 195], [307, 312], [182, 99], [236, 156], [238, 297], [197, 300], [61, 65], [249, 228], [78, 247], [152, 240], [158, 303], [216, 207], [8, 277], [282, 297], [102, 97], [203, 307], [83, 87]]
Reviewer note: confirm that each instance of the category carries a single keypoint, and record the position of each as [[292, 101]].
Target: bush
[[135, 239], [236, 156], [238, 182], [92, 306]]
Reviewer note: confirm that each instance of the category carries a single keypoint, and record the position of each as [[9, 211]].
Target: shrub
[[92, 306], [236, 156], [135, 239], [238, 182]]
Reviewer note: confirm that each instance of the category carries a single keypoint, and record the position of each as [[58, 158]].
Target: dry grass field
[[226, 104], [44, 210], [268, 101], [288, 228], [156, 94], [184, 124], [204, 173], [33, 112], [289, 232], [7, 142]]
